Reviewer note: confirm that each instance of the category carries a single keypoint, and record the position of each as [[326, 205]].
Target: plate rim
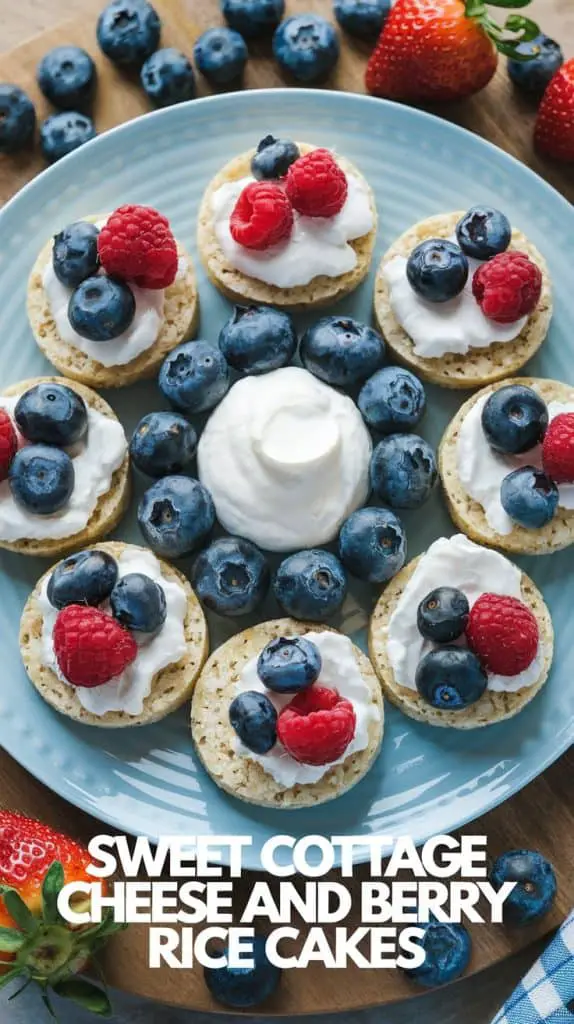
[[58, 784]]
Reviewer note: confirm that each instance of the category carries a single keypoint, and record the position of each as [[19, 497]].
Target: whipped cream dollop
[[436, 328], [339, 671], [128, 691], [286, 459], [317, 245], [95, 459], [454, 562], [140, 336], [481, 470]]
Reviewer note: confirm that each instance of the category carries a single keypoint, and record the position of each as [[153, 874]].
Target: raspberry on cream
[[316, 245], [438, 328], [475, 571], [128, 690], [340, 672], [286, 460], [138, 338]]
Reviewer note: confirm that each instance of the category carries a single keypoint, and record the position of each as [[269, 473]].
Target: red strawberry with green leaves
[[435, 50], [36, 944], [554, 129]]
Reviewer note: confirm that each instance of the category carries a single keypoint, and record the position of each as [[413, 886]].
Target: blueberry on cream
[[68, 452], [143, 603], [323, 707]]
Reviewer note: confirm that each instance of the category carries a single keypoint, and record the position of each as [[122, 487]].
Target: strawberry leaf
[[51, 888], [84, 994], [508, 3], [7, 978], [48, 1005], [18, 910], [527, 28], [11, 940]]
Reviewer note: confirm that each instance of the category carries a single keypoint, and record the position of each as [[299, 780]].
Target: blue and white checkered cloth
[[543, 996]]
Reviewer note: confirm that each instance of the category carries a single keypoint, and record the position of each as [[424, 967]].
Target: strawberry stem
[[516, 29]]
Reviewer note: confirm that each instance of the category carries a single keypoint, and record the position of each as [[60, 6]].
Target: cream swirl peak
[[286, 459]]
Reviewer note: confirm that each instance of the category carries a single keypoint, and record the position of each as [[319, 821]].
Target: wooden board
[[542, 815]]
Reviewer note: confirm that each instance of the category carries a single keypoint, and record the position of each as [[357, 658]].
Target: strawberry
[[554, 128], [433, 50], [36, 861]]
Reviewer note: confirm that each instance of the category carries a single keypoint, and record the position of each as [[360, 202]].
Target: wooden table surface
[[542, 815]]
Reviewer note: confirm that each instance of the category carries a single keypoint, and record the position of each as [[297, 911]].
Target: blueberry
[[450, 678], [342, 351], [128, 32], [254, 719], [244, 987], [529, 497], [61, 133], [403, 470], [373, 544], [162, 444], [392, 400], [67, 77], [167, 77], [437, 270], [257, 339], [41, 478], [75, 253], [310, 584], [535, 891], [532, 76], [176, 516], [273, 158], [138, 603], [87, 577], [289, 664], [448, 948], [514, 419], [231, 577], [483, 232], [221, 55], [194, 377], [306, 46], [442, 615], [51, 413], [253, 17], [362, 18], [101, 308], [17, 118]]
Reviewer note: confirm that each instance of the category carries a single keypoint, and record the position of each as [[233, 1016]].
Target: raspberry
[[503, 633], [262, 216], [507, 287], [558, 449], [8, 443], [91, 647], [137, 245], [317, 726], [316, 185]]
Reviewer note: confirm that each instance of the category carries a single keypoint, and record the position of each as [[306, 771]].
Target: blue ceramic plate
[[148, 781]]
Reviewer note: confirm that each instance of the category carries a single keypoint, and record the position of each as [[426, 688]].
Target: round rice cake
[[111, 506], [493, 706], [171, 687], [480, 366], [180, 320], [240, 288], [469, 516], [214, 737]]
